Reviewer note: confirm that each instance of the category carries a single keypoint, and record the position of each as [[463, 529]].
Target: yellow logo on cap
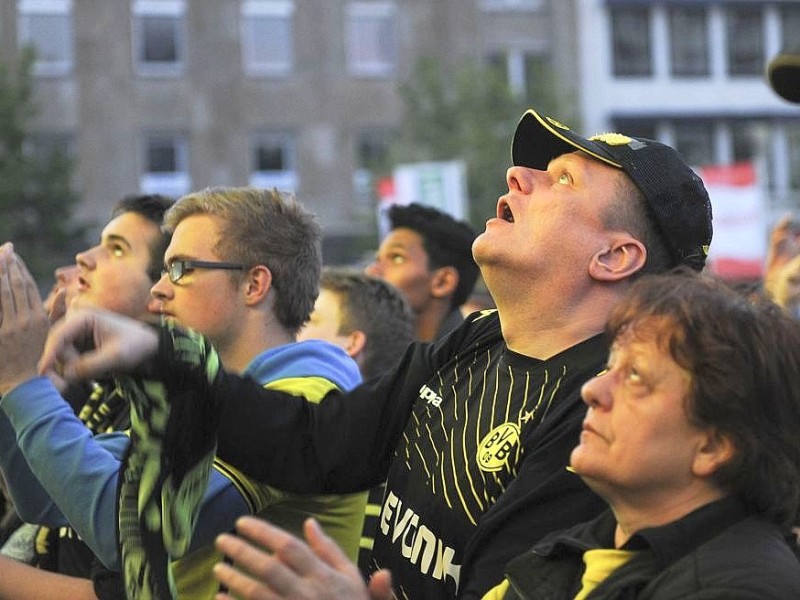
[[612, 139]]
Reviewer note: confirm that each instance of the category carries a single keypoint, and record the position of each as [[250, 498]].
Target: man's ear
[[444, 282], [356, 342], [623, 257], [257, 284], [716, 450]]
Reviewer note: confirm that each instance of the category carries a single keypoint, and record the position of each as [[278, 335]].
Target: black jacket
[[716, 552]]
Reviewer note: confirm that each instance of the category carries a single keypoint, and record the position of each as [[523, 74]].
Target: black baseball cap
[[675, 194], [783, 74]]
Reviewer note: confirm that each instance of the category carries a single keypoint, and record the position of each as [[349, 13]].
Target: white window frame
[[278, 9], [169, 183], [283, 179], [175, 9], [356, 65], [54, 8]]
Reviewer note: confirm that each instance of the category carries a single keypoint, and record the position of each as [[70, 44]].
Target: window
[[630, 31], [498, 61], [47, 26], [695, 142], [370, 43], [750, 140], [640, 128], [539, 78], [48, 147], [166, 165], [159, 37], [52, 153], [790, 24], [372, 159], [793, 137], [527, 74], [274, 161], [267, 43], [373, 150], [745, 31], [688, 36], [509, 5]]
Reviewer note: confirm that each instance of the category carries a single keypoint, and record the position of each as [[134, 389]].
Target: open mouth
[[504, 212]]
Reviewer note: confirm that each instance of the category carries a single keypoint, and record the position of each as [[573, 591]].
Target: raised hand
[[89, 343], [784, 245], [23, 321], [270, 563]]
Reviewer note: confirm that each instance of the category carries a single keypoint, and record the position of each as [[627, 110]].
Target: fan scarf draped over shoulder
[[165, 474]]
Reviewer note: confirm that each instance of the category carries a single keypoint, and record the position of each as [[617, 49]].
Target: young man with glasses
[[243, 269]]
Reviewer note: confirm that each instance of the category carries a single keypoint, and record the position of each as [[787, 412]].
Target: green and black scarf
[[165, 474]]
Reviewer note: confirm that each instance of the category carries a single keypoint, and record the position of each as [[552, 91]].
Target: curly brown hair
[[743, 355]]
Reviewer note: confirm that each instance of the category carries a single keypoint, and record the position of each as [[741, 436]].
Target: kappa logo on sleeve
[[500, 444], [429, 396]]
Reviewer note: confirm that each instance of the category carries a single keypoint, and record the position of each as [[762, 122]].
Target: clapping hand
[[269, 563]]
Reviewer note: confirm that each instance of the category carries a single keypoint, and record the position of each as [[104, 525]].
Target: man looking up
[[427, 256], [116, 275], [473, 435]]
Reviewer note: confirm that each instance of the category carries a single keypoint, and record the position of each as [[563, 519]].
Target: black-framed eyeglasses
[[178, 268]]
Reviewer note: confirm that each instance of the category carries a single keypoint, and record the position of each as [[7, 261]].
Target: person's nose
[[523, 179], [596, 393], [375, 269], [66, 274], [86, 259], [162, 289]]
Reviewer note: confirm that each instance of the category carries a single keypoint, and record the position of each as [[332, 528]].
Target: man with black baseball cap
[[674, 194], [472, 434]]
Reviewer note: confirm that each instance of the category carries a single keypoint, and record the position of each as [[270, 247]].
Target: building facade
[[170, 96], [175, 95], [691, 74]]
